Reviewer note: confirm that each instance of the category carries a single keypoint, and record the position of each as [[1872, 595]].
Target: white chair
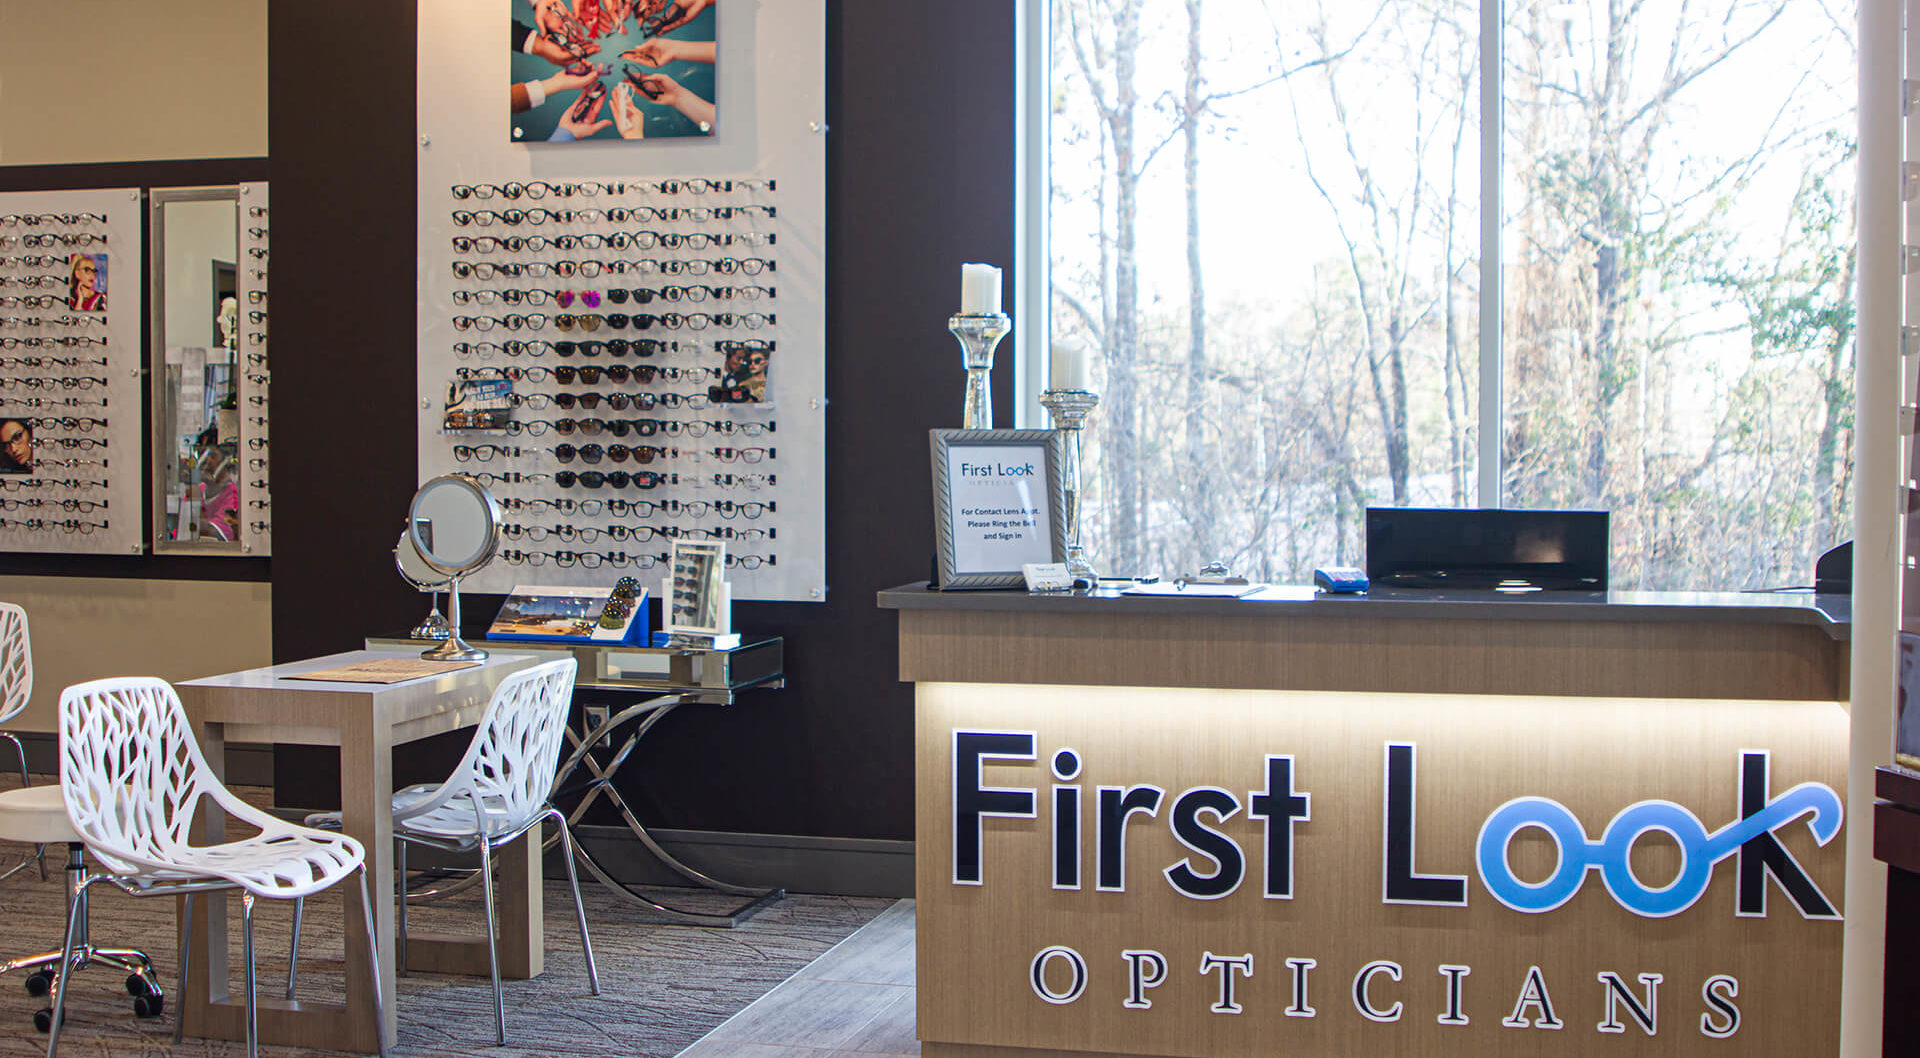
[[16, 686], [38, 814], [498, 792], [134, 778]]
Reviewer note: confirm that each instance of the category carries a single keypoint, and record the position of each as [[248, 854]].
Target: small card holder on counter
[[1047, 577], [539, 614]]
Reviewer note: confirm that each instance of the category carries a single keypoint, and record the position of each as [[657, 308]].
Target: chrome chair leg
[[30, 962], [373, 963], [75, 913], [186, 972], [493, 947], [293, 953], [400, 908], [579, 909], [253, 990]]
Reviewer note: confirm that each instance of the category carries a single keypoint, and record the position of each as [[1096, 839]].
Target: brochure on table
[[542, 614]]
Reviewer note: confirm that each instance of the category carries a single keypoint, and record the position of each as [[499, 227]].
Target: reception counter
[[1418, 824]]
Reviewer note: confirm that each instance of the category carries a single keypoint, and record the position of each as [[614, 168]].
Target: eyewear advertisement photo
[[611, 70]]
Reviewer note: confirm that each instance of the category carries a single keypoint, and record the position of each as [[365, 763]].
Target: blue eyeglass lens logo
[[1611, 855]]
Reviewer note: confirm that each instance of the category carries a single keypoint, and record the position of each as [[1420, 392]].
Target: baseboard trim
[[248, 764], [797, 863]]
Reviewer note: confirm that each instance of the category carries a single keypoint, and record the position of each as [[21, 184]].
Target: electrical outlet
[[596, 715]]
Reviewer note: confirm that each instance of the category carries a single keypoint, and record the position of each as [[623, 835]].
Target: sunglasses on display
[[750, 561], [30, 220], [566, 375], [18, 485], [743, 455], [483, 453], [486, 270], [84, 238], [728, 532], [591, 401], [70, 423], [69, 525], [745, 481]]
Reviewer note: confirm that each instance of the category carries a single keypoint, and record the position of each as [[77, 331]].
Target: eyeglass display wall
[[256, 480], [625, 339], [71, 433]]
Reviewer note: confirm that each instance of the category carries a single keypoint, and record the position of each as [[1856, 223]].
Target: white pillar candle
[[979, 290], [1067, 367]]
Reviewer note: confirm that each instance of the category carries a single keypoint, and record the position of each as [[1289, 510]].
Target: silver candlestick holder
[[1069, 409], [978, 335], [433, 626]]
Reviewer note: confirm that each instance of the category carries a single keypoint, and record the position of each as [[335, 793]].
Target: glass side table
[[669, 677]]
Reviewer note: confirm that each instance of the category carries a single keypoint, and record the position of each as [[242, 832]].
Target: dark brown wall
[[919, 179]]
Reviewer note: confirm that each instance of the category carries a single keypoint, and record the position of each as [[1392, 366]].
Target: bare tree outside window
[[1265, 222]]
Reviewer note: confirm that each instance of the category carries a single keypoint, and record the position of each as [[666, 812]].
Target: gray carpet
[[663, 987]]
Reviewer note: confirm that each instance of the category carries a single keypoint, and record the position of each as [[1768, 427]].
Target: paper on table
[[1194, 591], [1284, 593], [385, 670]]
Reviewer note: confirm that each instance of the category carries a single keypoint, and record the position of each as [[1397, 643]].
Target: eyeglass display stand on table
[[683, 673]]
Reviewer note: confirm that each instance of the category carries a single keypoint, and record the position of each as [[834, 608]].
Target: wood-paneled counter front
[[1416, 825]]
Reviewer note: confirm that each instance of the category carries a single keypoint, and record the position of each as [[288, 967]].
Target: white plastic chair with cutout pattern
[[134, 780], [16, 687], [498, 792]]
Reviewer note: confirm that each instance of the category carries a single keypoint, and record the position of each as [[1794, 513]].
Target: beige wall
[[151, 81], [85, 628], [132, 80]]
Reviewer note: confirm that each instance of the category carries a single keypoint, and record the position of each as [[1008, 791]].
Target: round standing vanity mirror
[[424, 578], [454, 527]]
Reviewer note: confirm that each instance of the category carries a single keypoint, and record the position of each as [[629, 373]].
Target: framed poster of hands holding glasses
[[998, 503]]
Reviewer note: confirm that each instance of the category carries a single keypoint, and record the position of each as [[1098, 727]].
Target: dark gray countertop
[[1831, 613]]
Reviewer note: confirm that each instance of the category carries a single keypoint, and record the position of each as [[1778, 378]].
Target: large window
[[1266, 223]]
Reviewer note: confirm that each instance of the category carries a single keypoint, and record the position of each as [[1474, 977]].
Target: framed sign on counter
[[998, 504]]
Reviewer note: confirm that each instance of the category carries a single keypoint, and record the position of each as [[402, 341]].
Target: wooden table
[[365, 721]]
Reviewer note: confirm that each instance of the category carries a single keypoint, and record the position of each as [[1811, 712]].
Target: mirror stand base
[[454, 649]]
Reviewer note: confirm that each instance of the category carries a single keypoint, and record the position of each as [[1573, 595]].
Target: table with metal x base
[[643, 716]]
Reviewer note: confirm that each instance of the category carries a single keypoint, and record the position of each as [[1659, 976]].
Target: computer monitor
[[1421, 547]]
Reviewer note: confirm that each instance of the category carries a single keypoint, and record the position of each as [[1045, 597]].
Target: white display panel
[[256, 499], [82, 494], [770, 129]]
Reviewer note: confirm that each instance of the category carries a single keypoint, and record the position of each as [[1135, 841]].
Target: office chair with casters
[[16, 687], [38, 814], [133, 779], [499, 791]]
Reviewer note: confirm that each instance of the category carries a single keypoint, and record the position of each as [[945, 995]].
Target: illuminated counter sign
[[1307, 937]]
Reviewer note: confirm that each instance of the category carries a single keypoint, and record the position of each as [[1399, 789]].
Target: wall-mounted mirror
[[200, 454]]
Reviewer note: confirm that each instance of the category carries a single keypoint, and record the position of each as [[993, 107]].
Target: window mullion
[[1492, 419]]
